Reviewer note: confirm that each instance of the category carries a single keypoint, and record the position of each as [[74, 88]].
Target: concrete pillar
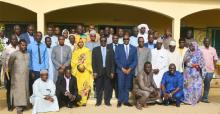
[[176, 29], [40, 22]]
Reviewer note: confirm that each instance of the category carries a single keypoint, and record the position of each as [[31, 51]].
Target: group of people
[[65, 68]]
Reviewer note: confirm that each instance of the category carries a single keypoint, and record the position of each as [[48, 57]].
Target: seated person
[[144, 88], [172, 86], [43, 98], [67, 91]]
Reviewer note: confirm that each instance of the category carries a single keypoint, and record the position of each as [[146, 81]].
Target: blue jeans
[[207, 80]]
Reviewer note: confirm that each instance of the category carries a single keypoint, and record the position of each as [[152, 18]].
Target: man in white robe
[[143, 32], [174, 55], [159, 62], [43, 98]]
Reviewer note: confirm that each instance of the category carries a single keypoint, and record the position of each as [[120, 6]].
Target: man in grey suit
[[61, 56], [29, 35], [143, 54]]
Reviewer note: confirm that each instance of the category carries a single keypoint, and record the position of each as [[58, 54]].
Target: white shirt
[[67, 83], [54, 40], [103, 49], [114, 46], [120, 40], [109, 39], [30, 37], [127, 47]]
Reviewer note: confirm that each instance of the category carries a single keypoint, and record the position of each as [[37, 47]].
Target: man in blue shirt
[[172, 86], [38, 58], [150, 44]]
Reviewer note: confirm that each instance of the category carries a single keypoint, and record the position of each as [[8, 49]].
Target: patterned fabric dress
[[193, 75]]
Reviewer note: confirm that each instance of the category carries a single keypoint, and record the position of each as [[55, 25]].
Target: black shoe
[[69, 105], [128, 104], [119, 104], [10, 108], [205, 101], [166, 103], [108, 104], [97, 104], [177, 104]]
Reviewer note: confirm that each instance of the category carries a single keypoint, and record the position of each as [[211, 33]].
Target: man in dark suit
[[103, 71], [66, 89], [126, 60], [113, 46], [29, 35]]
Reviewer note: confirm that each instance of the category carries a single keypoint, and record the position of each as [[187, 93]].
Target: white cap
[[43, 71], [172, 43]]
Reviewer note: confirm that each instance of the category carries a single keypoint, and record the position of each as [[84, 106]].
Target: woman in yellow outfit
[[81, 64]]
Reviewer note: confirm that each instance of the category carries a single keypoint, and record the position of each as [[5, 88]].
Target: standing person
[[81, 64], [167, 37], [113, 46], [126, 60], [193, 72], [92, 29], [50, 33], [11, 48], [172, 86], [57, 31], [159, 62], [29, 35], [71, 42], [120, 35], [44, 98], [48, 43], [19, 77], [61, 57], [80, 34], [134, 38], [17, 31], [174, 55], [112, 31], [143, 55], [210, 56], [102, 32], [92, 43], [145, 89], [150, 44], [143, 32], [67, 91], [181, 50], [189, 37], [103, 71], [38, 58], [107, 35]]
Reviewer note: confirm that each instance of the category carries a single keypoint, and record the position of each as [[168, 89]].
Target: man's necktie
[[39, 56]]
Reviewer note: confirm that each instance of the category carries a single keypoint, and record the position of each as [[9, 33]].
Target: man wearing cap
[[92, 43], [44, 98], [159, 61], [174, 56]]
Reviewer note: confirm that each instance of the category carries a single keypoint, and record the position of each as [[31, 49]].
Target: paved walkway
[[201, 108]]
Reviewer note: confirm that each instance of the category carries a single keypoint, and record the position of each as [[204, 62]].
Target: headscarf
[[65, 30], [145, 26], [145, 35]]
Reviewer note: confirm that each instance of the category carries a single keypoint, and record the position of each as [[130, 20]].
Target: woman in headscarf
[[65, 33], [193, 72], [143, 32], [82, 69]]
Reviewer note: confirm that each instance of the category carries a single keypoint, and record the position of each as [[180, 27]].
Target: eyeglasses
[[125, 39]]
